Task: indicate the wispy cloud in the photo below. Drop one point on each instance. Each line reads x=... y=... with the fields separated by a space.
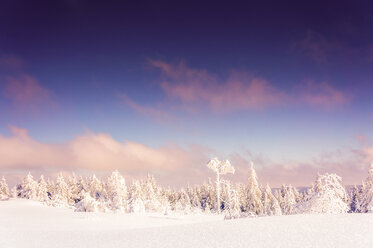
x=323 y=95
x=147 y=111
x=194 y=87
x=26 y=94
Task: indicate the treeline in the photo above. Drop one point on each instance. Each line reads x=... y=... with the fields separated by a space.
x=326 y=195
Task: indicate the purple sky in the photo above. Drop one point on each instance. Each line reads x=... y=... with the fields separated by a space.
x=161 y=87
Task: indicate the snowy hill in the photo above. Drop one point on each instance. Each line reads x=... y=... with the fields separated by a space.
x=25 y=223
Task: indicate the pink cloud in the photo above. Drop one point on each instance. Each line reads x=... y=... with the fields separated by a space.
x=198 y=88
x=26 y=93
x=323 y=95
x=151 y=112
x=100 y=152
x=173 y=165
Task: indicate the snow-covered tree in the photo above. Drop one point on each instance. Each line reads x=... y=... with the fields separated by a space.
x=42 y=190
x=366 y=200
x=220 y=168
x=117 y=192
x=254 y=194
x=230 y=200
x=270 y=203
x=62 y=194
x=96 y=188
x=355 y=197
x=4 y=190
x=287 y=199
x=135 y=202
x=89 y=204
x=328 y=196
x=28 y=188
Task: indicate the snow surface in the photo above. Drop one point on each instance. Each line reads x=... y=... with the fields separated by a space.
x=26 y=223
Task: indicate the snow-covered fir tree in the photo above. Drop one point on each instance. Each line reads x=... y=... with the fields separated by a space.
x=254 y=194
x=366 y=199
x=42 y=190
x=62 y=194
x=354 y=202
x=96 y=188
x=327 y=196
x=4 y=190
x=287 y=199
x=230 y=200
x=135 y=200
x=117 y=192
x=270 y=203
x=220 y=168
x=28 y=188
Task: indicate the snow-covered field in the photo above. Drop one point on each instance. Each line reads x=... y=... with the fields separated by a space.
x=25 y=223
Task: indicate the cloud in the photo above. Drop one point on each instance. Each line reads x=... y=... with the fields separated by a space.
x=99 y=152
x=323 y=95
x=240 y=91
x=350 y=164
x=171 y=164
x=151 y=112
x=195 y=88
x=26 y=94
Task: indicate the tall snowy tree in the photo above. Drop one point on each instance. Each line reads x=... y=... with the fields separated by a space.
x=117 y=192
x=96 y=188
x=42 y=190
x=270 y=203
x=28 y=188
x=288 y=199
x=254 y=194
x=327 y=196
x=135 y=200
x=62 y=194
x=220 y=168
x=231 y=201
x=4 y=190
x=366 y=201
x=355 y=197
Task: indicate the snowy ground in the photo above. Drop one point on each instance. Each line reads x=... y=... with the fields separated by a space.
x=25 y=223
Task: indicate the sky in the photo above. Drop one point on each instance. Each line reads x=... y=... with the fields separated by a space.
x=162 y=87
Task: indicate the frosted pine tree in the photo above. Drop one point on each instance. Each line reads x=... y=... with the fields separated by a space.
x=151 y=195
x=183 y=202
x=288 y=199
x=96 y=188
x=135 y=201
x=270 y=203
x=366 y=202
x=88 y=204
x=230 y=200
x=220 y=168
x=4 y=190
x=117 y=192
x=42 y=190
x=62 y=194
x=355 y=197
x=28 y=188
x=254 y=194
x=77 y=188
x=327 y=196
